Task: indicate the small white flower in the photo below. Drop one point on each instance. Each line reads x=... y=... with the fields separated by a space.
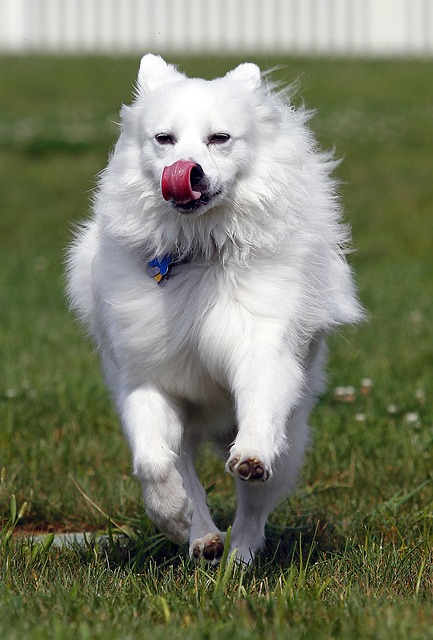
x=366 y=384
x=344 y=394
x=360 y=417
x=415 y=317
x=392 y=409
x=411 y=417
x=420 y=395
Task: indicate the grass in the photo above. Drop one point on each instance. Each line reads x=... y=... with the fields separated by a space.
x=350 y=554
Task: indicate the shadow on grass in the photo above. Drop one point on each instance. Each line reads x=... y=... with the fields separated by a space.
x=306 y=542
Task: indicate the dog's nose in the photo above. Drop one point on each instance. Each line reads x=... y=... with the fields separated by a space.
x=180 y=181
x=196 y=177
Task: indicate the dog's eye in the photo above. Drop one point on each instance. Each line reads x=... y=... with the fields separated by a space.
x=218 y=138
x=165 y=138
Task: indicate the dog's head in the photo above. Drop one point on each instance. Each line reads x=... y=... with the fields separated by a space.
x=206 y=165
x=197 y=137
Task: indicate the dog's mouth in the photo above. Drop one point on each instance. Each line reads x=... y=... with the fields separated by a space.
x=185 y=184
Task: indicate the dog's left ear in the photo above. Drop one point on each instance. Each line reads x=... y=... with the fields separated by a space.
x=247 y=73
x=154 y=72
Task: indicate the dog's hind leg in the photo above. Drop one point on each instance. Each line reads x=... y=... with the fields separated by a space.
x=206 y=540
x=257 y=500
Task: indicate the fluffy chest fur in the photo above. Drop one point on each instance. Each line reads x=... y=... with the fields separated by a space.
x=191 y=333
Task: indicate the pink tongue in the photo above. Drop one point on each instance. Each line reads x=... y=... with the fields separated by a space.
x=176 y=182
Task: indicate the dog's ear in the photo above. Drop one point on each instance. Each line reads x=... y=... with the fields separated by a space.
x=154 y=72
x=247 y=73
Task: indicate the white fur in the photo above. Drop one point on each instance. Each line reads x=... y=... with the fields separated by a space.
x=231 y=348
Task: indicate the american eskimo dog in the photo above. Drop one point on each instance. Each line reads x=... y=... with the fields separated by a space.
x=210 y=273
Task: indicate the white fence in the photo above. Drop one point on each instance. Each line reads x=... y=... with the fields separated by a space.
x=345 y=27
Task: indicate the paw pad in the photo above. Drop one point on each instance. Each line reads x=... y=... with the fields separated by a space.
x=248 y=469
x=210 y=548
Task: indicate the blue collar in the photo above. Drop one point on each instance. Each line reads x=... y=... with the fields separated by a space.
x=159 y=270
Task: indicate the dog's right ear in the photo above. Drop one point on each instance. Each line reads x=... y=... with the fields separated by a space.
x=154 y=72
x=248 y=73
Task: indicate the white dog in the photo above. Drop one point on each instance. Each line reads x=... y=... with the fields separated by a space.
x=211 y=271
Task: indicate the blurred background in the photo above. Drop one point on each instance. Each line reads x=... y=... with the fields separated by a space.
x=362 y=27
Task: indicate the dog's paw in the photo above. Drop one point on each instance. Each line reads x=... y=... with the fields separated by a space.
x=210 y=548
x=247 y=467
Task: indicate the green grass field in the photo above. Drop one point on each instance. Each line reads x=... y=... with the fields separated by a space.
x=350 y=554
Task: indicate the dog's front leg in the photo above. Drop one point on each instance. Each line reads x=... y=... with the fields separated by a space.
x=153 y=426
x=267 y=384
